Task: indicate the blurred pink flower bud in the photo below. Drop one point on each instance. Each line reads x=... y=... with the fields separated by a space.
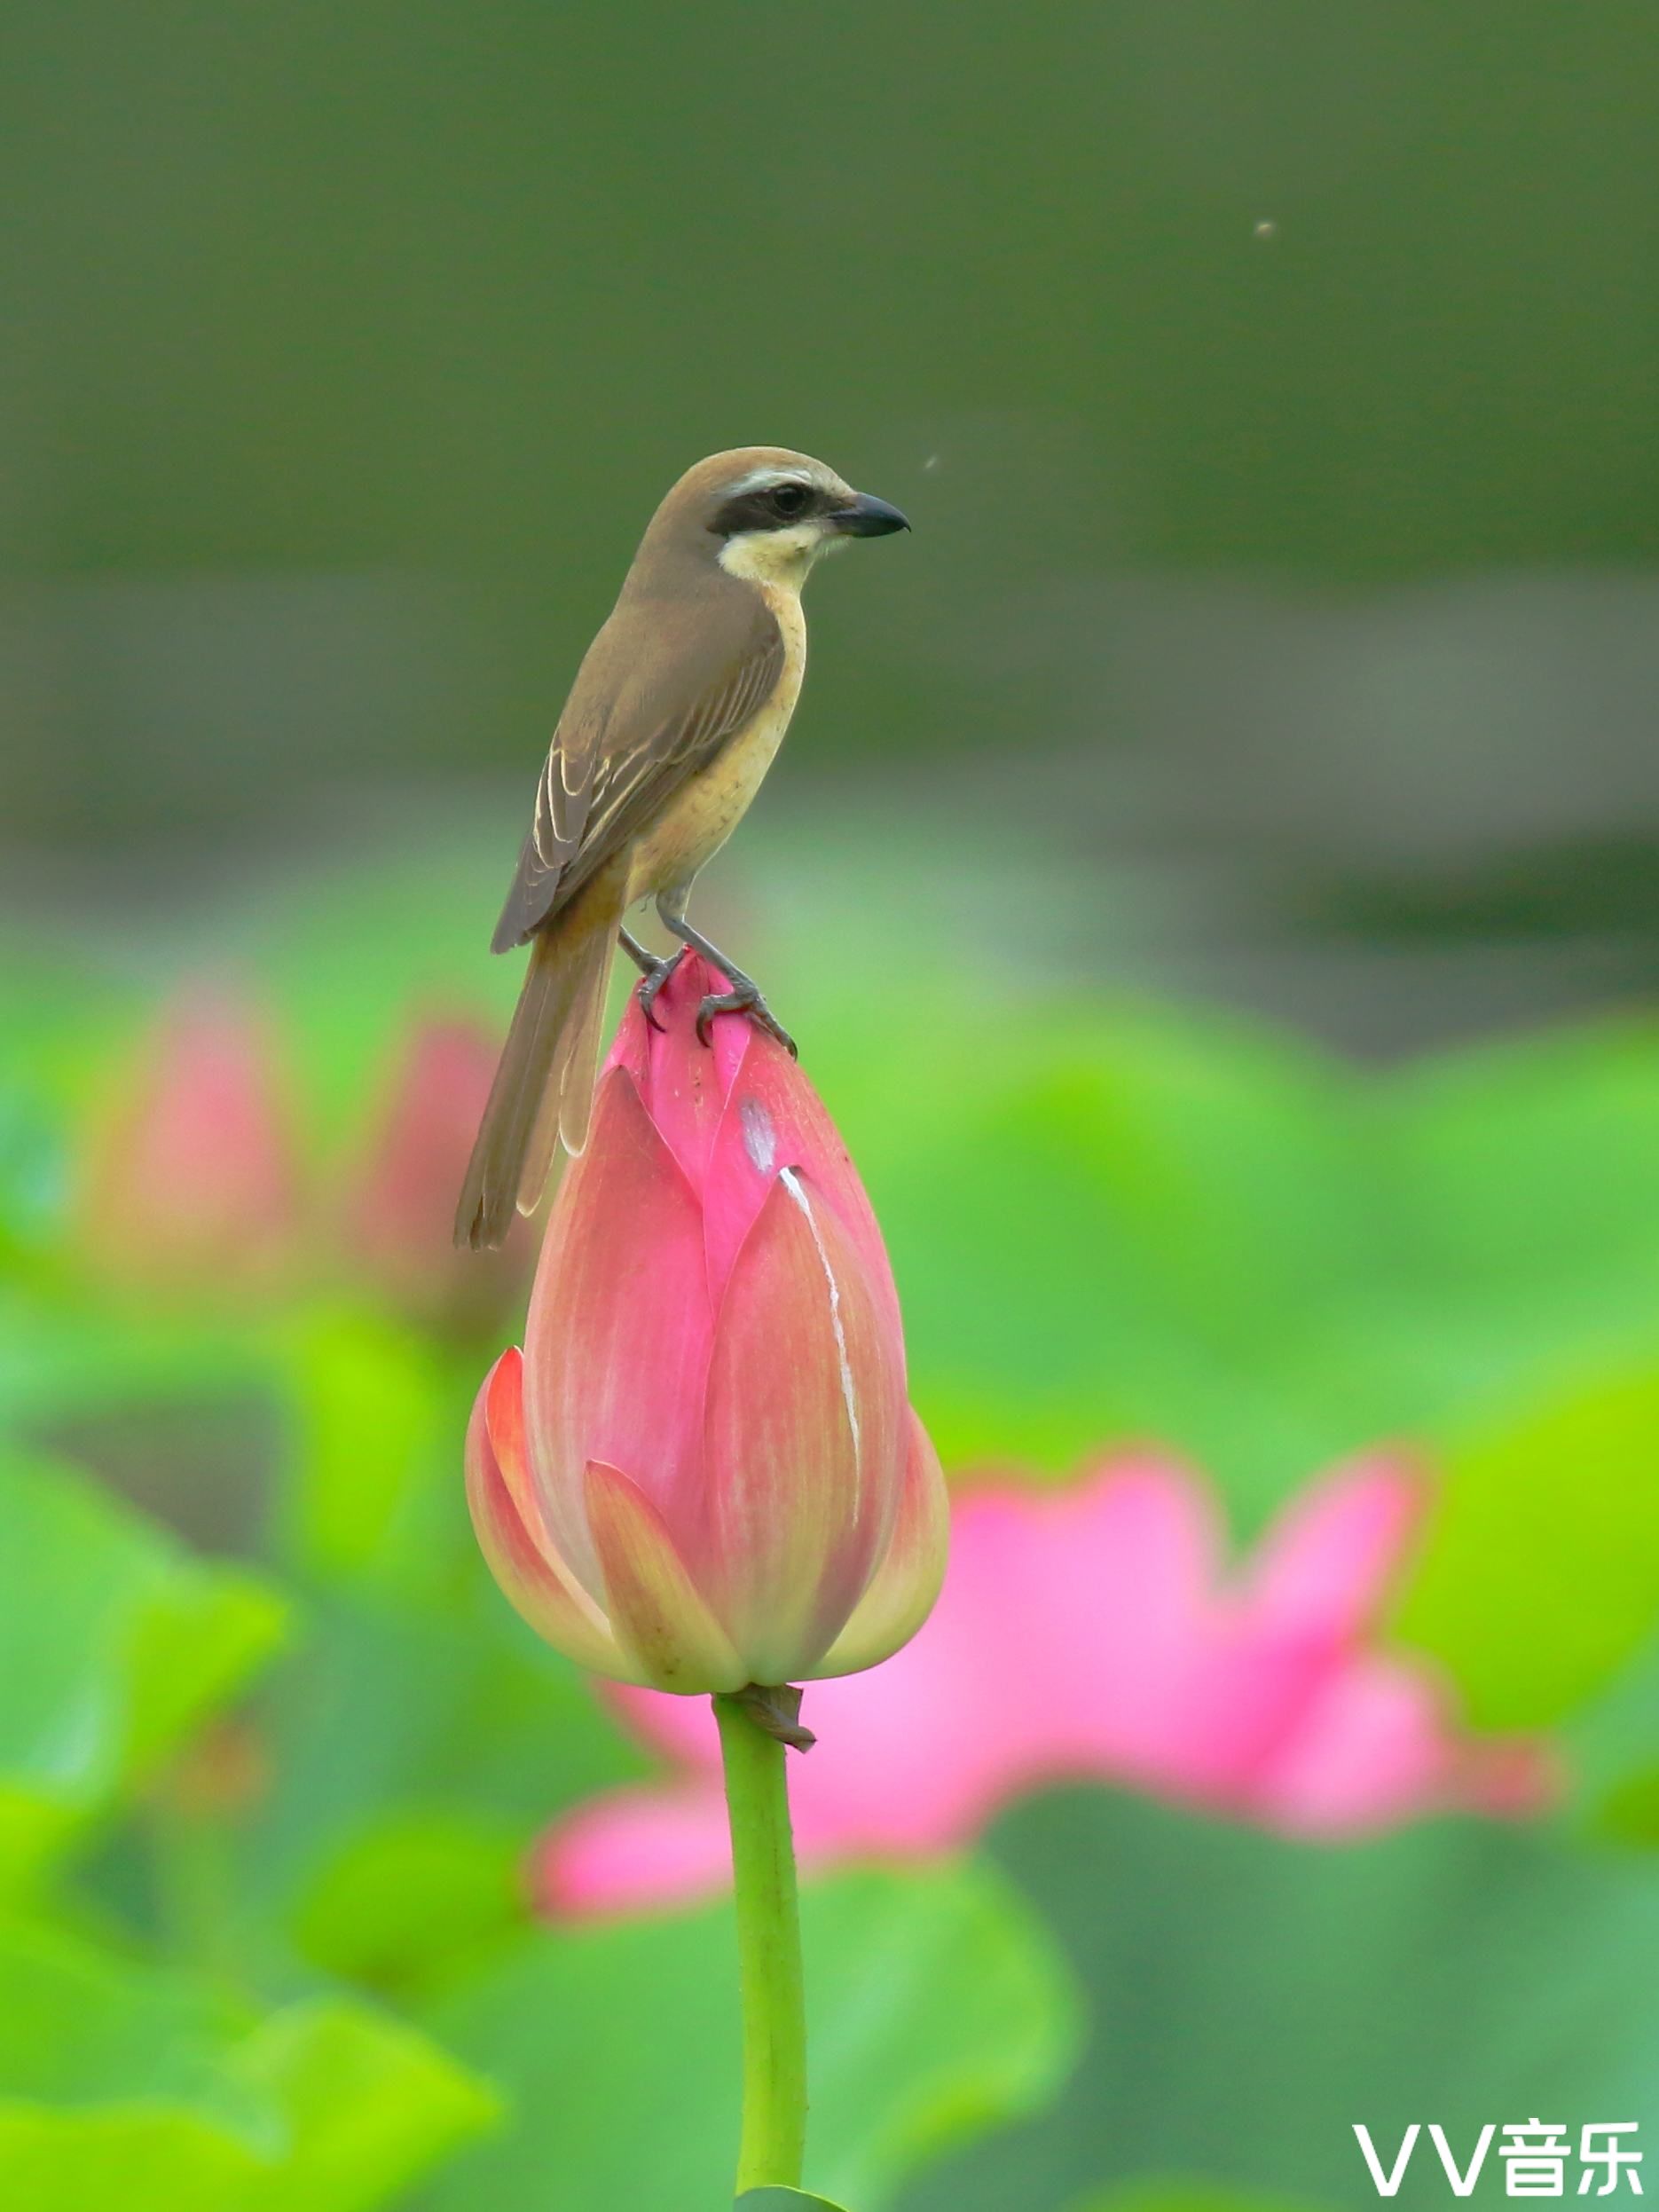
x=1095 y=1632
x=401 y=1213
x=192 y=1183
x=705 y=1470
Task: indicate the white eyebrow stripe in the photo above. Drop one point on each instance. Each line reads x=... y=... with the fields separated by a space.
x=763 y=480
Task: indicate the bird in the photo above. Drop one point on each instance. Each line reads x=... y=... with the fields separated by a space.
x=678 y=709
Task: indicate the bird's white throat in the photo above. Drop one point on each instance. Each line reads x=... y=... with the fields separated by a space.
x=781 y=558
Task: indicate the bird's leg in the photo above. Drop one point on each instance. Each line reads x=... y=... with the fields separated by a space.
x=653 y=972
x=744 y=994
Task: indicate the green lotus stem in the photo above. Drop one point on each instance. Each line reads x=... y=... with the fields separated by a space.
x=768 y=1953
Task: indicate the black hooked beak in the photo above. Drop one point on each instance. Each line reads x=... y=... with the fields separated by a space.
x=870 y=518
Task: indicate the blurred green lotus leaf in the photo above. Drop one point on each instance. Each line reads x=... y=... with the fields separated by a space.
x=1252 y=1997
x=1629 y=1813
x=376 y=1445
x=1531 y=1165
x=1540 y=1573
x=1115 y=1223
x=1099 y=1232
x=1177 y=2195
x=115 y=1643
x=781 y=2199
x=418 y=1740
x=62 y=1358
x=33 y=1173
x=120 y=2085
x=1109 y=1221
x=412 y=1893
x=1610 y=1749
x=939 y=2009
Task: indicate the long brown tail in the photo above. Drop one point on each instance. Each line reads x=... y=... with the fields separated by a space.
x=543 y=1090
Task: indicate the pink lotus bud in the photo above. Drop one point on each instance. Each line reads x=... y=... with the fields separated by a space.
x=705 y=1470
x=192 y=1183
x=401 y=1215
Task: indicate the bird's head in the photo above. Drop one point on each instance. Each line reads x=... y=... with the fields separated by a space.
x=767 y=514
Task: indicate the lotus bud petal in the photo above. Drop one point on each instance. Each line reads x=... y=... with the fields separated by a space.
x=713 y=1457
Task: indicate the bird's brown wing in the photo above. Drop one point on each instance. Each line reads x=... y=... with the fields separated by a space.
x=623 y=745
x=562 y=798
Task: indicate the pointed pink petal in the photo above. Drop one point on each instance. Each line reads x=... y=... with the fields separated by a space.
x=631 y=1047
x=618 y=1342
x=657 y=1613
x=905 y=1584
x=1240 y=1700
x=682 y=1083
x=1381 y=1745
x=645 y=1849
x=685 y=1084
x=773 y=1119
x=1282 y=1636
x=503 y=1402
x=805 y=1439
x=1374 y=1748
x=1327 y=1564
x=508 y=1521
x=1117 y=1604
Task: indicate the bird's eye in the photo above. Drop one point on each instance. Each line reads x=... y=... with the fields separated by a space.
x=789 y=499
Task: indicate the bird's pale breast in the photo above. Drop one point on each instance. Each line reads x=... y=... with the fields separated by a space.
x=703 y=814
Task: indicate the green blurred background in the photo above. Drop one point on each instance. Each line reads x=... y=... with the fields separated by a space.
x=1211 y=874
x=1271 y=386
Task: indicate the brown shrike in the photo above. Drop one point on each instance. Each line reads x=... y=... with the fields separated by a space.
x=677 y=710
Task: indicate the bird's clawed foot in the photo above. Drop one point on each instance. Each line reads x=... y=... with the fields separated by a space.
x=652 y=982
x=743 y=998
x=653 y=972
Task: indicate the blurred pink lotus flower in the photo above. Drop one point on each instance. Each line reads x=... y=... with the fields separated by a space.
x=1090 y=1633
x=404 y=1201
x=193 y=1182
x=704 y=1471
